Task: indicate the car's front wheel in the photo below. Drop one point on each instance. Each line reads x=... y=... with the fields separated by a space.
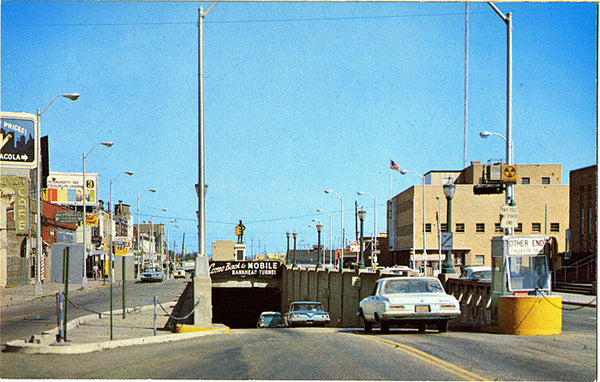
x=442 y=326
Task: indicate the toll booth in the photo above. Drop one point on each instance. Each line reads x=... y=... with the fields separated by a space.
x=521 y=301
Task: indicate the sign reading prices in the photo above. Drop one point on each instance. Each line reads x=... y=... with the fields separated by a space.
x=18 y=140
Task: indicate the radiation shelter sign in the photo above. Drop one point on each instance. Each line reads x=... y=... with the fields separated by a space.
x=18 y=140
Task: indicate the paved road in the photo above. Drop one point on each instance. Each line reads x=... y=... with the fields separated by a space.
x=309 y=353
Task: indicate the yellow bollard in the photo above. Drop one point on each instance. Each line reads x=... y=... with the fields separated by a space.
x=530 y=315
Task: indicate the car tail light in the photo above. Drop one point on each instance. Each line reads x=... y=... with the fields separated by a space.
x=447 y=306
x=397 y=307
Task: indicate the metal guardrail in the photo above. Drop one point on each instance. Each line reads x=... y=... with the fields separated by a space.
x=475 y=299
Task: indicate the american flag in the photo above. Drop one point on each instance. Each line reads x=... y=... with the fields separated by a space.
x=394 y=165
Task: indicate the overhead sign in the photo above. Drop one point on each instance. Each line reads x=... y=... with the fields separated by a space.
x=18 y=132
x=220 y=269
x=508 y=217
x=65 y=188
x=16 y=190
x=509 y=174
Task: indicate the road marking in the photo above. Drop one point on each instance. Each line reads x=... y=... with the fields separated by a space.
x=462 y=373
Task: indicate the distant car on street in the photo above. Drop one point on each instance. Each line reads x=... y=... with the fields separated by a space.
x=478 y=273
x=270 y=320
x=153 y=274
x=306 y=313
x=399 y=271
x=408 y=301
x=179 y=274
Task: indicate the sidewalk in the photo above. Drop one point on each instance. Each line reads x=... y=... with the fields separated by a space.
x=92 y=332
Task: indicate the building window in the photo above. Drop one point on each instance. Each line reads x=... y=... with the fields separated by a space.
x=480 y=227
x=536 y=227
x=497 y=228
x=460 y=227
x=444 y=227
x=525 y=180
x=479 y=260
x=519 y=227
x=427 y=227
x=545 y=180
x=460 y=259
x=554 y=227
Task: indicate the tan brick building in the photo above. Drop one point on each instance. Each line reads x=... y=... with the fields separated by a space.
x=542 y=201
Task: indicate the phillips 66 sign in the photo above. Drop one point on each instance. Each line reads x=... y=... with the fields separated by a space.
x=18 y=139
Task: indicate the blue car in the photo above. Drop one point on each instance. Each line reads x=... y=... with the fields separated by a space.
x=306 y=313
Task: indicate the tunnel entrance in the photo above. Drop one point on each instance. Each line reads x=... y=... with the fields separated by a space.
x=240 y=307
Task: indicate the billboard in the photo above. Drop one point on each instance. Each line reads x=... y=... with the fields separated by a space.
x=18 y=132
x=65 y=188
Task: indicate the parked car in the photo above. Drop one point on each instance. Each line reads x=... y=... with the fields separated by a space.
x=306 y=313
x=153 y=274
x=408 y=301
x=179 y=274
x=270 y=320
x=478 y=273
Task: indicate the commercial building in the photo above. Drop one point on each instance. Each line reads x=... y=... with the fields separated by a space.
x=541 y=198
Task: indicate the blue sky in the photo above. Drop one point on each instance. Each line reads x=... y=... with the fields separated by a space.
x=299 y=97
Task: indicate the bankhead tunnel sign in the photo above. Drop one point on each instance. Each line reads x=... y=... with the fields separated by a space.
x=18 y=132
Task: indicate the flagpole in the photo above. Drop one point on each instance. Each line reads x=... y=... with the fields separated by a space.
x=390 y=178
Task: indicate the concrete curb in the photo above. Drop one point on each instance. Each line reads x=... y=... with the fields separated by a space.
x=46 y=344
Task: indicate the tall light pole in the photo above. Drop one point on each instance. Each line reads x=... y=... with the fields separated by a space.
x=38 y=196
x=509 y=142
x=84 y=214
x=330 y=236
x=374 y=241
x=342 y=226
x=319 y=229
x=295 y=236
x=404 y=172
x=141 y=260
x=111 y=249
x=200 y=188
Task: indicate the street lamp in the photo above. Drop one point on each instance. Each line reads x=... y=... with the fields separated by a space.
x=361 y=216
x=83 y=197
x=287 y=252
x=485 y=134
x=374 y=241
x=38 y=218
x=330 y=236
x=319 y=229
x=509 y=141
x=141 y=260
x=294 y=235
x=404 y=172
x=449 y=189
x=342 y=226
x=111 y=249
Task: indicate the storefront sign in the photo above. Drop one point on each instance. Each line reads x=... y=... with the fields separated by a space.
x=18 y=140
x=244 y=268
x=16 y=190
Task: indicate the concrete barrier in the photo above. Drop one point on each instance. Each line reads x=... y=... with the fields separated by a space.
x=530 y=315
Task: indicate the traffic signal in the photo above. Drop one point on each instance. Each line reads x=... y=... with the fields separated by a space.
x=486 y=189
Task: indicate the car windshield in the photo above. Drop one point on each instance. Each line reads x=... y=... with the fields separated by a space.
x=411 y=286
x=272 y=319
x=482 y=275
x=308 y=307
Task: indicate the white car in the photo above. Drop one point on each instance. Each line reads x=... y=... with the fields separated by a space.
x=408 y=301
x=179 y=274
x=306 y=313
x=153 y=274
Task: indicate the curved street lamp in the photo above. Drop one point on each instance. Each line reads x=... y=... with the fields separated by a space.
x=83 y=198
x=39 y=201
x=449 y=189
